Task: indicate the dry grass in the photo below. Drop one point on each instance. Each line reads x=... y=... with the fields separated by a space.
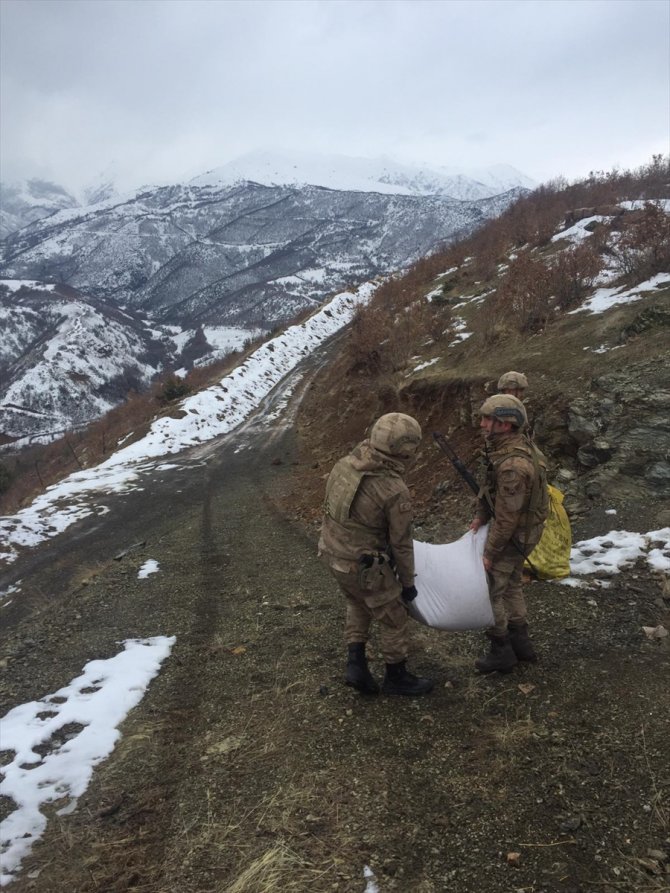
x=279 y=869
x=235 y=841
x=659 y=809
x=511 y=735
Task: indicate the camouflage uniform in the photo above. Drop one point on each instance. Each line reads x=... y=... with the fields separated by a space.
x=510 y=481
x=368 y=512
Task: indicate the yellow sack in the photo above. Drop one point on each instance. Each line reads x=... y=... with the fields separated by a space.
x=550 y=559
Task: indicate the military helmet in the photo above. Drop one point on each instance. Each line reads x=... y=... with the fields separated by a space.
x=396 y=434
x=505 y=408
x=516 y=380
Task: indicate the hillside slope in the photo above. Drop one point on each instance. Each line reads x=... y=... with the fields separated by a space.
x=583 y=311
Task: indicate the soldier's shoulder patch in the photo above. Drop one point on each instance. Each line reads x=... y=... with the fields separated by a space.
x=405 y=505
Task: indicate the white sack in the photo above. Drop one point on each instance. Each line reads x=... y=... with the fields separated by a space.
x=451 y=582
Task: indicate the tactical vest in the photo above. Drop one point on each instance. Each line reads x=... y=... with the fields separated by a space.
x=538 y=503
x=341 y=489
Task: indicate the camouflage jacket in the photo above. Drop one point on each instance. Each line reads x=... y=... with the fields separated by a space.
x=516 y=490
x=368 y=509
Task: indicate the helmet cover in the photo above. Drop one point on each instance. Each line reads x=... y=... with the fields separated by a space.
x=505 y=408
x=516 y=380
x=396 y=434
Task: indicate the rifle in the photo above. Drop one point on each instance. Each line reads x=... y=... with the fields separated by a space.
x=460 y=466
x=471 y=481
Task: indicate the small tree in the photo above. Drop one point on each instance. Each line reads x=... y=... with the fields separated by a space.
x=173 y=388
x=5 y=478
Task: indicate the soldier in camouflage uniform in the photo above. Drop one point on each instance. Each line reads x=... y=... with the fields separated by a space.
x=514 y=502
x=366 y=542
x=514 y=383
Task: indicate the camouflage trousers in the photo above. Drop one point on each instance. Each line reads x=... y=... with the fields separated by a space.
x=505 y=591
x=383 y=605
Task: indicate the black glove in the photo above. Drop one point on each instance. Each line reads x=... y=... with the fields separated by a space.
x=409 y=593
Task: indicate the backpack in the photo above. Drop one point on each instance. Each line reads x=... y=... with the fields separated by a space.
x=550 y=559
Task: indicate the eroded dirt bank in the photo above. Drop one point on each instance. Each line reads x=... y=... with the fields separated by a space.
x=249 y=766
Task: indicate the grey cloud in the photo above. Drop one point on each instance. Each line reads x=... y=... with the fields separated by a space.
x=170 y=88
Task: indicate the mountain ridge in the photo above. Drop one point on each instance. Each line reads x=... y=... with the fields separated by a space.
x=25 y=201
x=382 y=174
x=247 y=257
x=240 y=256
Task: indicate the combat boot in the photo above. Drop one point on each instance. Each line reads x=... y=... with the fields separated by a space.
x=399 y=681
x=358 y=673
x=501 y=657
x=521 y=642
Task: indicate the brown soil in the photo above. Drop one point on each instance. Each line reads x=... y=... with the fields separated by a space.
x=250 y=767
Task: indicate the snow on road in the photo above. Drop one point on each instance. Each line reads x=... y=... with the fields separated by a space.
x=214 y=411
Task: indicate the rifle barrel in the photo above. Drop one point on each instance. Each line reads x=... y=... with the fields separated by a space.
x=458 y=464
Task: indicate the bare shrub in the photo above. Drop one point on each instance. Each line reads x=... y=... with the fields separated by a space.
x=572 y=274
x=489 y=251
x=388 y=398
x=433 y=320
x=492 y=328
x=364 y=338
x=383 y=336
x=643 y=248
x=522 y=301
x=5 y=478
x=454 y=255
x=401 y=341
x=600 y=240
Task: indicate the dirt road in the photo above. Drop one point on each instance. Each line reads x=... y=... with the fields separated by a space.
x=249 y=766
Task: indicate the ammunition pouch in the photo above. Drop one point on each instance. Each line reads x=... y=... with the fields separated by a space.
x=375 y=571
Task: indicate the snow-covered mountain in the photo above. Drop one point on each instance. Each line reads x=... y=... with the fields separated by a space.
x=498 y=178
x=24 y=202
x=365 y=175
x=219 y=259
x=242 y=254
x=103 y=187
x=65 y=359
x=29 y=200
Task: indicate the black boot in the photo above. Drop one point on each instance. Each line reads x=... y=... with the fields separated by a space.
x=399 y=681
x=501 y=657
x=521 y=643
x=358 y=674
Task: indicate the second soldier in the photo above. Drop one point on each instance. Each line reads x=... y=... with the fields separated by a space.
x=366 y=542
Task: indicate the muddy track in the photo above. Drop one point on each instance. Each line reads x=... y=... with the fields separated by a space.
x=249 y=766
x=218 y=555
x=229 y=588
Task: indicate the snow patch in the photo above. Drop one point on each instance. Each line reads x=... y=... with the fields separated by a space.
x=78 y=727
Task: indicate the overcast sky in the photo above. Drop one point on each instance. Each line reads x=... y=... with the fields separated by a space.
x=167 y=89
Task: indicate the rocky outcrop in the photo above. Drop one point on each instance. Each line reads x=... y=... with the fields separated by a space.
x=616 y=440
x=578 y=214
